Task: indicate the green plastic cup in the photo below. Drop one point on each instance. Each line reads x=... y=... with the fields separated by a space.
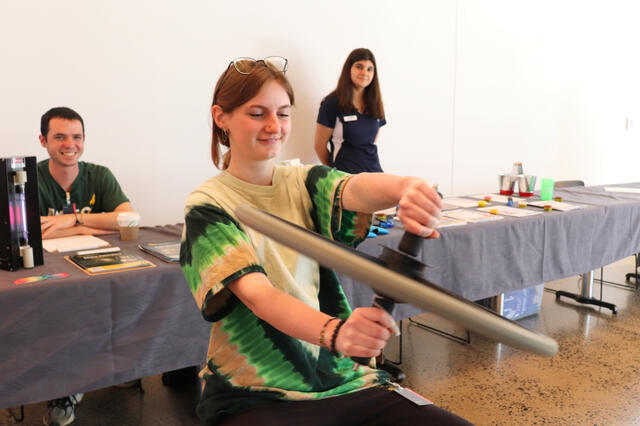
x=546 y=189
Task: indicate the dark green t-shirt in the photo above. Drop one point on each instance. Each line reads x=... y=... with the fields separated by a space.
x=95 y=190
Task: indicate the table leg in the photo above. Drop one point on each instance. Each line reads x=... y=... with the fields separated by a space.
x=635 y=275
x=13 y=415
x=464 y=340
x=586 y=295
x=497 y=304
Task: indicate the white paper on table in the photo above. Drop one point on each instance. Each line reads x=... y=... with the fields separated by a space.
x=497 y=198
x=471 y=216
x=454 y=202
x=511 y=211
x=556 y=205
x=73 y=243
x=622 y=189
x=449 y=221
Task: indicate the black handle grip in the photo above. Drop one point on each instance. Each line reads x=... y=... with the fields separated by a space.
x=382 y=303
x=360 y=360
x=410 y=243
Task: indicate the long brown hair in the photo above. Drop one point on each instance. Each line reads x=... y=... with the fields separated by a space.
x=235 y=89
x=372 y=98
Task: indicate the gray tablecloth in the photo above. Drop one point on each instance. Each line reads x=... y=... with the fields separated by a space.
x=81 y=333
x=487 y=259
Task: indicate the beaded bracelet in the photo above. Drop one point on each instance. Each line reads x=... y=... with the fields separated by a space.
x=321 y=341
x=335 y=336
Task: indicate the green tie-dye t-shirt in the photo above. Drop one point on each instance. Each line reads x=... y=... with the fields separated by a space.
x=249 y=361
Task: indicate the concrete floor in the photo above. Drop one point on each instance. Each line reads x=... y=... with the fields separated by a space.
x=593 y=380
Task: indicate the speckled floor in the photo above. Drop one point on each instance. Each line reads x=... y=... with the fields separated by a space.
x=593 y=380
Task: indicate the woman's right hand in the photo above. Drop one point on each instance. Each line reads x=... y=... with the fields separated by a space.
x=364 y=334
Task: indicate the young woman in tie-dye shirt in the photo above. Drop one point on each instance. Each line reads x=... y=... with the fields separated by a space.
x=280 y=320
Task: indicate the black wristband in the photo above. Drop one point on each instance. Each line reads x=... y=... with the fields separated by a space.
x=321 y=341
x=335 y=336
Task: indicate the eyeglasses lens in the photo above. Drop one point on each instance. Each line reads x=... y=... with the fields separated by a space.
x=246 y=65
x=277 y=62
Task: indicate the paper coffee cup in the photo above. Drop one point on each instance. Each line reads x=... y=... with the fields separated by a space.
x=129 y=224
x=128 y=219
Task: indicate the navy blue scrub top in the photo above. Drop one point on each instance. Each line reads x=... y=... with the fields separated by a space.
x=357 y=133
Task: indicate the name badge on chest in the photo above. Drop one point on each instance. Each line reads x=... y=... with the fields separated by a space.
x=348 y=118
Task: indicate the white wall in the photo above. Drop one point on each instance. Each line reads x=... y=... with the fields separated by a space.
x=548 y=83
x=469 y=86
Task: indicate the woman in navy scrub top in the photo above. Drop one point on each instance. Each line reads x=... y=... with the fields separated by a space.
x=350 y=116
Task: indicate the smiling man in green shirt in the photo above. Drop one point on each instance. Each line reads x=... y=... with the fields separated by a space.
x=75 y=197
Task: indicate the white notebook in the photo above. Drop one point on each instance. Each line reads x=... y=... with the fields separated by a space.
x=73 y=243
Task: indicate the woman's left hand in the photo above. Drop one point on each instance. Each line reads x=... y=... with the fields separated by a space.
x=364 y=333
x=419 y=208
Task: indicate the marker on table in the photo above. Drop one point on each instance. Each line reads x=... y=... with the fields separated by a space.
x=37 y=278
